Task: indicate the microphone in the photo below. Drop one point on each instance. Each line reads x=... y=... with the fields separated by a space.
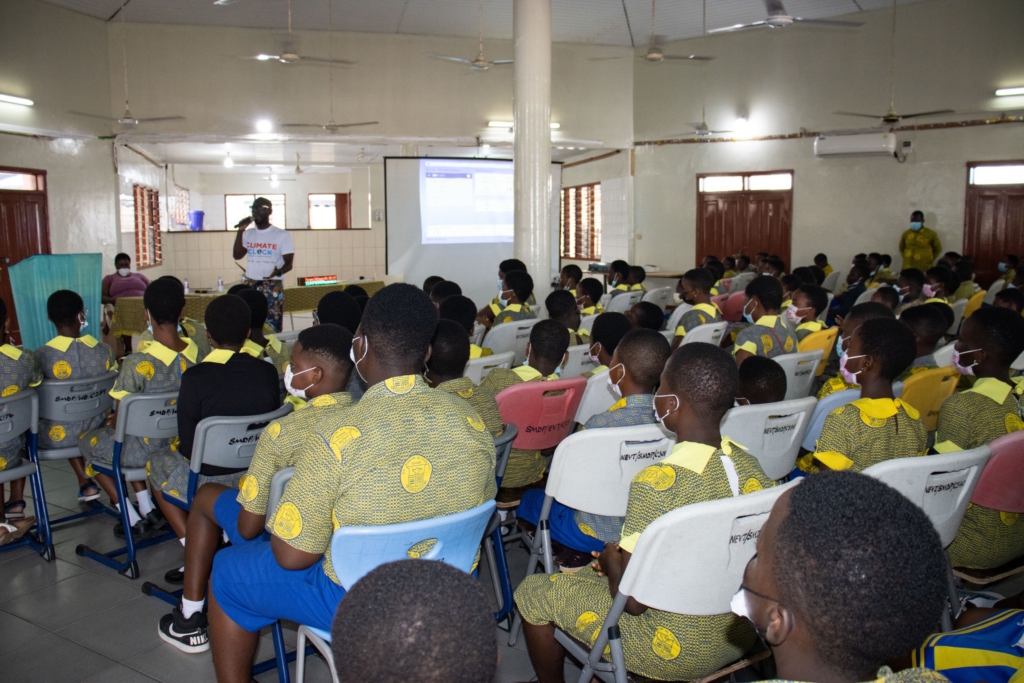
x=244 y=222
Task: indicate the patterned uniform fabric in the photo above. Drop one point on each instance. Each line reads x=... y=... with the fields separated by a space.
x=479 y=351
x=700 y=314
x=68 y=358
x=279 y=353
x=808 y=328
x=919 y=248
x=885 y=675
x=480 y=398
x=833 y=385
x=964 y=291
x=274 y=291
x=192 y=329
x=512 y=313
x=904 y=304
x=18 y=371
x=866 y=432
x=770 y=336
x=990 y=650
x=279 y=446
x=920 y=364
x=403 y=453
x=156 y=370
x=524 y=467
x=656 y=644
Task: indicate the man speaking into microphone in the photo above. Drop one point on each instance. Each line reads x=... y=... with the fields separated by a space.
x=270 y=254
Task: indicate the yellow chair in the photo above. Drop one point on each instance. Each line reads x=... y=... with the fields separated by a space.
x=927 y=390
x=973 y=304
x=822 y=339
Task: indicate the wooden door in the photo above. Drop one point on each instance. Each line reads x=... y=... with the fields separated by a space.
x=730 y=222
x=24 y=232
x=993 y=227
x=343 y=211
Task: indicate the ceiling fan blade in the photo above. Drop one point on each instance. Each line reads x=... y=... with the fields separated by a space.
x=737 y=27
x=224 y=2
x=161 y=118
x=688 y=58
x=460 y=60
x=854 y=113
x=774 y=7
x=321 y=60
x=602 y=59
x=264 y=57
x=928 y=113
x=301 y=125
x=829 y=22
x=93 y=116
x=501 y=62
x=361 y=123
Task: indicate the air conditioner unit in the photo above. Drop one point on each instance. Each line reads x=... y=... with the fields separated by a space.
x=870 y=144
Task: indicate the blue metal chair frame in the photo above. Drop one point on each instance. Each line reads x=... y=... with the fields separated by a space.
x=19 y=414
x=494 y=542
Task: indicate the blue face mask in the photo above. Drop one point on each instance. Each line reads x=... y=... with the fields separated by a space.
x=747 y=316
x=916 y=225
x=503 y=300
x=501 y=286
x=839 y=345
x=1002 y=267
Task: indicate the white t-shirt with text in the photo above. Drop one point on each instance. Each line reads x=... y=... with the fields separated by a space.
x=266 y=250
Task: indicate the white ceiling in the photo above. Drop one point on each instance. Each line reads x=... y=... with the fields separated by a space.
x=625 y=23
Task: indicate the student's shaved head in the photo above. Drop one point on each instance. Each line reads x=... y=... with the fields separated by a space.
x=449 y=349
x=705 y=376
x=399 y=322
x=926 y=321
x=549 y=340
x=329 y=343
x=644 y=353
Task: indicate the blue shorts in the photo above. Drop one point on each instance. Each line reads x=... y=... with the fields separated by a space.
x=561 y=521
x=225 y=511
x=253 y=589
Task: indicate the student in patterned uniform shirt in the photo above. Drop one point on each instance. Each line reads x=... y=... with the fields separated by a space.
x=18 y=371
x=561 y=306
x=696 y=390
x=849 y=575
x=72 y=355
x=516 y=289
x=940 y=284
x=929 y=326
x=187 y=327
x=319 y=371
x=588 y=296
x=762 y=380
x=646 y=315
x=266 y=347
x=507 y=266
x=858 y=315
x=964 y=270
x=368 y=465
x=729 y=263
x=608 y=331
x=910 y=287
x=340 y=308
x=769 y=334
x=802 y=313
x=449 y=353
x=989 y=341
x=636 y=368
x=790 y=283
x=694 y=288
x=569 y=277
x=877 y=426
x=463 y=311
x=156 y=369
x=545 y=353
x=1008 y=269
x=636 y=278
x=821 y=260
x=618 y=275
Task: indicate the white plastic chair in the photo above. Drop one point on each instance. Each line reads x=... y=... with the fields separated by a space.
x=944 y=356
x=704 y=547
x=740 y=282
x=800 y=371
x=623 y=302
x=587 y=323
x=958 y=313
x=598 y=397
x=864 y=297
x=478 y=368
x=578 y=361
x=990 y=295
x=677 y=315
x=831 y=280
x=771 y=432
x=710 y=333
x=670 y=335
x=478 y=334
x=513 y=336
x=824 y=312
x=660 y=297
x=1018 y=364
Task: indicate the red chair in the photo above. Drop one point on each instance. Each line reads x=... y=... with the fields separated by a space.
x=719 y=301
x=543 y=411
x=732 y=311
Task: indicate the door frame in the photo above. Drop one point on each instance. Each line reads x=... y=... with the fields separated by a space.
x=44 y=233
x=964 y=246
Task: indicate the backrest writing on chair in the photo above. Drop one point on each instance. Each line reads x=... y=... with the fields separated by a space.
x=19 y=413
x=710 y=333
x=999 y=487
x=771 y=432
x=149 y=416
x=65 y=400
x=543 y=411
x=801 y=369
x=230 y=442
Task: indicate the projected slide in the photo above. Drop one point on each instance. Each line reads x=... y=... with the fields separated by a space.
x=465 y=200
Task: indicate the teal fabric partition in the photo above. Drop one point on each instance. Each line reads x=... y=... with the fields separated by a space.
x=34 y=279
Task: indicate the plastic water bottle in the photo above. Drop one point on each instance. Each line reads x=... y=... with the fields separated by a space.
x=186 y=285
x=220 y=284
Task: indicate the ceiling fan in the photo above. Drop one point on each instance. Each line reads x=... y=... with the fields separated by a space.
x=274 y=179
x=892 y=117
x=655 y=54
x=701 y=129
x=779 y=18
x=478 y=63
x=289 y=50
x=127 y=120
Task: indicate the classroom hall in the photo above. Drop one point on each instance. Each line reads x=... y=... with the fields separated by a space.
x=790 y=185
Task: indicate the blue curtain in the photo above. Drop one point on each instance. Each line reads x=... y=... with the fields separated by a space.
x=34 y=279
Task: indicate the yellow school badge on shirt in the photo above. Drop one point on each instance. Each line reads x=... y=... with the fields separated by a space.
x=658 y=477
x=766 y=342
x=1013 y=423
x=325 y=400
x=1008 y=518
x=476 y=423
x=400 y=385
x=62 y=369
x=466 y=394
x=57 y=433
x=249 y=488
x=665 y=644
x=342 y=438
x=416 y=474
x=274 y=430
x=10 y=390
x=586 y=622
x=288 y=521
x=751 y=486
x=789 y=344
x=146 y=369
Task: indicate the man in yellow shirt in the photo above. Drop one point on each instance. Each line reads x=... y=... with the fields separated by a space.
x=919 y=246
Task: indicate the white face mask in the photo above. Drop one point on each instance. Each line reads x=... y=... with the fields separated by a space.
x=503 y=300
x=501 y=287
x=615 y=385
x=739 y=605
x=928 y=290
x=661 y=418
x=288 y=375
x=124 y=272
x=352 y=355
x=83 y=321
x=593 y=355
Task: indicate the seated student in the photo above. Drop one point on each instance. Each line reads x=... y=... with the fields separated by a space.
x=618 y=275
x=729 y=263
x=858 y=314
x=940 y=285
x=928 y=323
x=463 y=311
x=516 y=291
x=339 y=308
x=507 y=266
x=432 y=620
x=646 y=315
x=743 y=264
x=235 y=289
x=857 y=259
x=774 y=266
x=697 y=388
x=818 y=275
x=694 y=288
x=608 y=331
x=806 y=275
x=887 y=296
x=809 y=300
x=355 y=291
x=768 y=334
x=878 y=426
x=18 y=371
x=810 y=612
x=842 y=303
x=949 y=259
x=1010 y=298
x=990 y=340
x=258 y=345
x=449 y=353
x=70 y=355
x=717 y=271
x=964 y=270
x=569 y=277
x=444 y=289
x=588 y=296
x=157 y=368
x=877 y=273
x=367 y=465
x=636 y=278
x=429 y=283
x=226 y=383
x=821 y=261
x=636 y=368
x=318 y=373
x=187 y=327
x=762 y=380
x=910 y=287
x=790 y=283
x=561 y=306
x=545 y=354
x=707 y=257
x=1008 y=268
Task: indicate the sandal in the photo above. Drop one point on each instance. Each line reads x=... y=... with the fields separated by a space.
x=10 y=532
x=89 y=492
x=15 y=514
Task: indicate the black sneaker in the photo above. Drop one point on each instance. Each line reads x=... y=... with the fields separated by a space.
x=155 y=519
x=175 y=576
x=141 y=530
x=190 y=635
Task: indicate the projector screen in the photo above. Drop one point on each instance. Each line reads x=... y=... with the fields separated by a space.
x=453 y=218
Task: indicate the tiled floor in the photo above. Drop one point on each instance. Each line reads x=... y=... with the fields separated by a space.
x=74 y=620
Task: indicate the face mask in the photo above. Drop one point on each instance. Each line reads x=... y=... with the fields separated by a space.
x=963 y=369
x=849 y=377
x=903 y=291
x=615 y=385
x=747 y=316
x=352 y=356
x=501 y=287
x=1002 y=267
x=288 y=375
x=503 y=300
x=83 y=321
x=661 y=418
x=740 y=606
x=124 y=272
x=874 y=271
x=793 y=313
x=839 y=346
x=916 y=225
x=593 y=355
x=928 y=291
